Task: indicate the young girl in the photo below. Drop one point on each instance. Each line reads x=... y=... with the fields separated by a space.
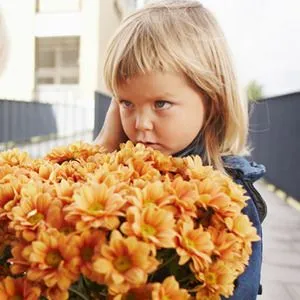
x=174 y=89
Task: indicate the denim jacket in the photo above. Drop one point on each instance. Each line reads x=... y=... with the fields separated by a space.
x=244 y=172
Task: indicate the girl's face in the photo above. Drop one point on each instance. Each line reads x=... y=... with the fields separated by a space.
x=161 y=110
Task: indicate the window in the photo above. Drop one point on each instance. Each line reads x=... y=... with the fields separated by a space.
x=57 y=6
x=57 y=60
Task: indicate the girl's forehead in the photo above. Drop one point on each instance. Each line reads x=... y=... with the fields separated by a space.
x=154 y=85
x=156 y=81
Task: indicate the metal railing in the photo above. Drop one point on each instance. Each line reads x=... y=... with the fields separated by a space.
x=37 y=127
x=275 y=137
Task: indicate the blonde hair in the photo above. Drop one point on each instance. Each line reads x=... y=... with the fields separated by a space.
x=183 y=36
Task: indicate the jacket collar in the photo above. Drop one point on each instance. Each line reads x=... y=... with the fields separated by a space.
x=194 y=148
x=251 y=170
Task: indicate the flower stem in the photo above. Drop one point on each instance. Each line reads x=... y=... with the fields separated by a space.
x=78 y=294
x=166 y=262
x=162 y=266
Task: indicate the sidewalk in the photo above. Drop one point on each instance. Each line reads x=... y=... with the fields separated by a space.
x=281 y=258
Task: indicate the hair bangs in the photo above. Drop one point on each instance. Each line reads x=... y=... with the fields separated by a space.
x=143 y=52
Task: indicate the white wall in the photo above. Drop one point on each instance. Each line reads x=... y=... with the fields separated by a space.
x=89 y=47
x=109 y=21
x=95 y=24
x=17 y=78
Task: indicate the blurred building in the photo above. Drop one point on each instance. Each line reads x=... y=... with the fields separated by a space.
x=56 y=47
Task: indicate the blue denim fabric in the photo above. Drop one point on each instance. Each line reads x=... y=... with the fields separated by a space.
x=250 y=169
x=247 y=284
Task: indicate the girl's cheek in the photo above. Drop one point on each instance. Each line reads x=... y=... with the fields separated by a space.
x=127 y=123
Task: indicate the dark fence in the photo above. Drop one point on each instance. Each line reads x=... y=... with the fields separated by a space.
x=102 y=102
x=37 y=127
x=20 y=121
x=275 y=137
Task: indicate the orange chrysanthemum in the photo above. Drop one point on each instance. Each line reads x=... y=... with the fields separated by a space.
x=143 y=292
x=89 y=246
x=153 y=225
x=150 y=193
x=74 y=151
x=143 y=170
x=194 y=168
x=206 y=294
x=18 y=288
x=54 y=259
x=95 y=206
x=164 y=163
x=236 y=192
x=185 y=196
x=10 y=186
x=72 y=170
x=20 y=257
x=195 y=244
x=210 y=195
x=242 y=226
x=34 y=212
x=14 y=157
x=227 y=245
x=169 y=290
x=5 y=170
x=63 y=216
x=7 y=193
x=112 y=175
x=56 y=293
x=65 y=190
x=33 y=188
x=125 y=262
x=217 y=279
x=129 y=150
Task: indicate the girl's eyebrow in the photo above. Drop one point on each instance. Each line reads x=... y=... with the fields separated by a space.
x=150 y=98
x=161 y=96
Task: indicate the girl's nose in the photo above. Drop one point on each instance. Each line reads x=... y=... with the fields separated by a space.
x=143 y=123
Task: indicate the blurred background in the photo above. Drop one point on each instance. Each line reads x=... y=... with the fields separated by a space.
x=52 y=93
x=52 y=61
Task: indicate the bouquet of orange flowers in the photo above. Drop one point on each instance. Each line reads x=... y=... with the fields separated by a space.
x=133 y=224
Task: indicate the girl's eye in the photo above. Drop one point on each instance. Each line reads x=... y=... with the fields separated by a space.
x=162 y=104
x=126 y=104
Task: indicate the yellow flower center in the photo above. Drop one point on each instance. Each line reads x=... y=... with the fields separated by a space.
x=148 y=201
x=66 y=230
x=35 y=218
x=189 y=243
x=16 y=297
x=165 y=298
x=96 y=207
x=148 y=230
x=87 y=253
x=122 y=263
x=53 y=259
x=211 y=278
